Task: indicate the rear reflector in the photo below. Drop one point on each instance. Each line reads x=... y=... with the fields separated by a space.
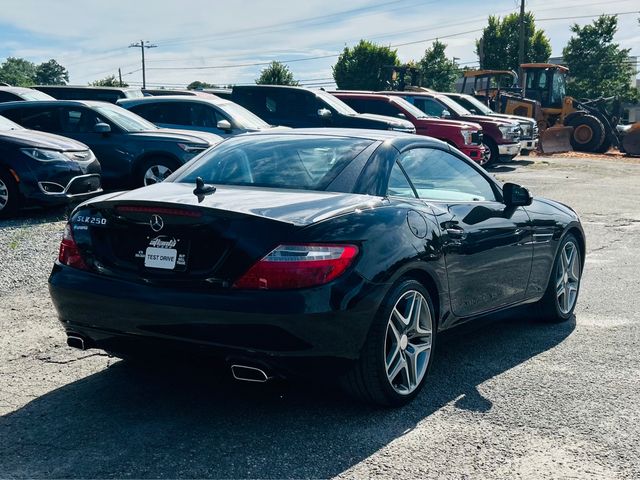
x=298 y=266
x=69 y=253
x=178 y=212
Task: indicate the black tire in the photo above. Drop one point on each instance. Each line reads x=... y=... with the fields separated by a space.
x=606 y=145
x=9 y=197
x=163 y=168
x=494 y=154
x=367 y=380
x=549 y=309
x=588 y=133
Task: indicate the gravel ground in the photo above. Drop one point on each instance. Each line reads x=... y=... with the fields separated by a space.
x=508 y=398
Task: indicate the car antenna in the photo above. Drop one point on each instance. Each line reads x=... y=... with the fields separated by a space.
x=201 y=189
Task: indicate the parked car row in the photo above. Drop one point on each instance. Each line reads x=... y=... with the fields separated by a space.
x=147 y=136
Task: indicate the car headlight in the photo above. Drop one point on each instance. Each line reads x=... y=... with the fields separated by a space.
x=467 y=136
x=193 y=147
x=44 y=155
x=510 y=132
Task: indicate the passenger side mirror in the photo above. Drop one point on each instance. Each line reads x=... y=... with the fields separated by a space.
x=324 y=113
x=224 y=125
x=445 y=114
x=515 y=195
x=102 y=128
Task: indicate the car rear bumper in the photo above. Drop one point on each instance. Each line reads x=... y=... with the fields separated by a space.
x=331 y=321
x=530 y=144
x=510 y=149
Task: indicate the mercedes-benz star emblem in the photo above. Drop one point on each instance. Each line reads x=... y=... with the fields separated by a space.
x=156 y=223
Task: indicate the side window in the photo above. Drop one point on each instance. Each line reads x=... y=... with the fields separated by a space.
x=399 y=186
x=439 y=175
x=44 y=119
x=8 y=97
x=432 y=107
x=148 y=111
x=204 y=115
x=381 y=108
x=78 y=120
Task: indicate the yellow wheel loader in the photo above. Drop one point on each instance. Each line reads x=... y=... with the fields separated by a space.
x=564 y=122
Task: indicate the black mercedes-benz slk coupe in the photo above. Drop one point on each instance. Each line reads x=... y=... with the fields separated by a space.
x=322 y=251
x=40 y=169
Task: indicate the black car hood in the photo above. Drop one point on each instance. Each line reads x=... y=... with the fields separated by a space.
x=31 y=138
x=297 y=207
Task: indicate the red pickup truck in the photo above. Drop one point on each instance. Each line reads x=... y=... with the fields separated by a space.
x=465 y=136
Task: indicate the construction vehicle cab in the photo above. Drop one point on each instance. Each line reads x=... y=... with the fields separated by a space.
x=487 y=85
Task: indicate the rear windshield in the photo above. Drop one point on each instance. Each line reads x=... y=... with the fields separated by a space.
x=293 y=162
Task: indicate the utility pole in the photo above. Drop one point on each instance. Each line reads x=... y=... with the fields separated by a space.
x=521 y=42
x=120 y=75
x=142 y=45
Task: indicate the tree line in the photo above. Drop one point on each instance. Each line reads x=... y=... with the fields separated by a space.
x=598 y=66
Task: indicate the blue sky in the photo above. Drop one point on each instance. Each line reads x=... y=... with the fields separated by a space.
x=91 y=38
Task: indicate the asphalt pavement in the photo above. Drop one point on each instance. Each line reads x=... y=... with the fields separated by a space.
x=509 y=397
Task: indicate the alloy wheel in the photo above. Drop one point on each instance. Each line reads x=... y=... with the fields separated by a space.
x=568 y=277
x=408 y=342
x=486 y=156
x=156 y=174
x=4 y=195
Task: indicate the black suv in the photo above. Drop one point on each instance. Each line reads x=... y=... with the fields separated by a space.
x=18 y=94
x=304 y=108
x=42 y=169
x=101 y=94
x=132 y=151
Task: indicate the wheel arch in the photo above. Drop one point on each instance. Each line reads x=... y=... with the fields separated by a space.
x=579 y=234
x=428 y=280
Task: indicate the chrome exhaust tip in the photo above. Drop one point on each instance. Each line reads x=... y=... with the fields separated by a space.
x=246 y=373
x=76 y=342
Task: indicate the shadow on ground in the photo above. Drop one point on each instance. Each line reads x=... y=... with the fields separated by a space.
x=127 y=422
x=510 y=166
x=35 y=216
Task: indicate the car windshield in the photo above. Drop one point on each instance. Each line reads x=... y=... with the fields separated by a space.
x=412 y=109
x=335 y=103
x=293 y=162
x=243 y=117
x=6 y=124
x=453 y=106
x=35 y=95
x=128 y=121
x=473 y=104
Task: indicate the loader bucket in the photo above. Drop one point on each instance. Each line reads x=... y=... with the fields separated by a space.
x=556 y=139
x=631 y=140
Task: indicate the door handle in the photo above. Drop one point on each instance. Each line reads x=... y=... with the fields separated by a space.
x=454 y=230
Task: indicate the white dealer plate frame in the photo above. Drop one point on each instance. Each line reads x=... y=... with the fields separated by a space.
x=164 y=258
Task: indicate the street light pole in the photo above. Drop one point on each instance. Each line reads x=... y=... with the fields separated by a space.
x=142 y=45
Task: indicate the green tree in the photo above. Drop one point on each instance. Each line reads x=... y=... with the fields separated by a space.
x=276 y=74
x=110 y=81
x=598 y=67
x=198 y=85
x=51 y=73
x=17 y=72
x=498 y=47
x=438 y=71
x=363 y=67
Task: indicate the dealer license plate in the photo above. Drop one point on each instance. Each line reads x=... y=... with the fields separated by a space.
x=161 y=258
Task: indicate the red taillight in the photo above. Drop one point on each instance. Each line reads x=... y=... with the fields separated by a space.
x=298 y=266
x=69 y=252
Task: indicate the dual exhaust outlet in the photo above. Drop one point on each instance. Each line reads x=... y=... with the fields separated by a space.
x=243 y=373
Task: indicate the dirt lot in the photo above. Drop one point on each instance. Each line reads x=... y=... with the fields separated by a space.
x=510 y=399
